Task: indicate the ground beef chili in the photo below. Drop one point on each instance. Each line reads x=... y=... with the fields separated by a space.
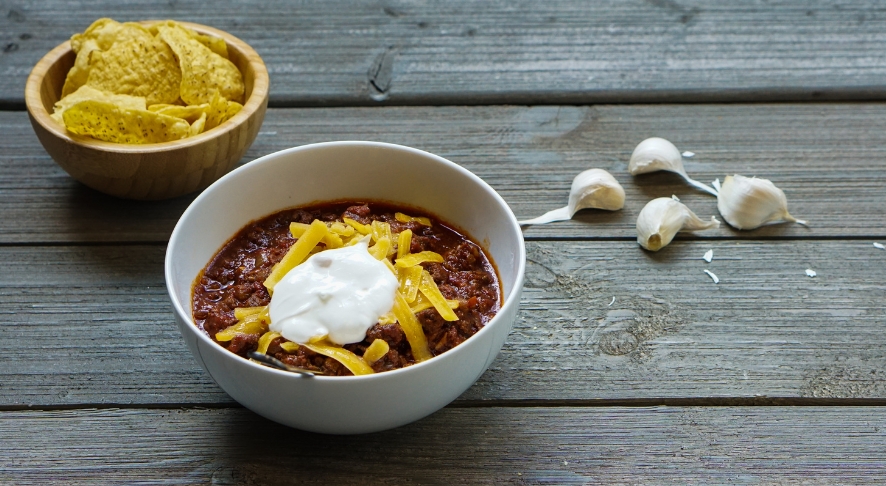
x=234 y=277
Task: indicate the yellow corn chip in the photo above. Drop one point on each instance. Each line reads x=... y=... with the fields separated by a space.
x=220 y=110
x=89 y=93
x=233 y=109
x=108 y=122
x=202 y=70
x=198 y=126
x=79 y=72
x=137 y=67
x=215 y=113
x=215 y=44
x=107 y=32
x=100 y=36
x=136 y=84
x=159 y=106
x=190 y=113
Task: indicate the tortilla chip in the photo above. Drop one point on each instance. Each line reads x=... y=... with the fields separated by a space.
x=198 y=126
x=89 y=93
x=202 y=70
x=106 y=121
x=137 y=67
x=79 y=72
x=107 y=32
x=233 y=109
x=215 y=44
x=100 y=36
x=189 y=113
x=215 y=113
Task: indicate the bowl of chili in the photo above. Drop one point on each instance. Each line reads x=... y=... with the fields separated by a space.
x=372 y=185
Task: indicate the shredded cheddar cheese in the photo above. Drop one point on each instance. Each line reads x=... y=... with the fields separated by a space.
x=265 y=341
x=330 y=239
x=380 y=249
x=415 y=335
x=413 y=259
x=430 y=290
x=363 y=229
x=417 y=290
x=289 y=346
x=375 y=351
x=341 y=229
x=253 y=324
x=350 y=360
x=421 y=303
x=408 y=219
x=410 y=277
x=241 y=313
x=297 y=253
x=404 y=242
x=380 y=230
x=391 y=267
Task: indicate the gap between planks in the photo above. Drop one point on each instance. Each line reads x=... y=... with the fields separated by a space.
x=557 y=403
x=578 y=239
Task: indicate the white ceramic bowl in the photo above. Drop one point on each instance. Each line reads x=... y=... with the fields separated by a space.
x=353 y=171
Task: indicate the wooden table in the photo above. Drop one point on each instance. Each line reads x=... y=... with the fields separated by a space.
x=769 y=377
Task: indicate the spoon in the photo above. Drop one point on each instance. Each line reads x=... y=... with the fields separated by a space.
x=276 y=363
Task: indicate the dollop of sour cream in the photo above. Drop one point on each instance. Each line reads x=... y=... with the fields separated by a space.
x=337 y=293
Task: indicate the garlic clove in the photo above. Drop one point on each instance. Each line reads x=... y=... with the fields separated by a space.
x=593 y=188
x=662 y=218
x=655 y=154
x=748 y=202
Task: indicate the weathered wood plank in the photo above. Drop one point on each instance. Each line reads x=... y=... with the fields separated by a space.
x=461 y=52
x=663 y=445
x=824 y=156
x=92 y=325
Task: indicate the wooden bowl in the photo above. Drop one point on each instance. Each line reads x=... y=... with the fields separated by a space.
x=149 y=171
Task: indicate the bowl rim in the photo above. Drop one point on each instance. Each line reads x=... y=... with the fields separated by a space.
x=257 y=98
x=203 y=338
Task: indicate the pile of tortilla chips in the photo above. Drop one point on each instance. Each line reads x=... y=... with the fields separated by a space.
x=136 y=84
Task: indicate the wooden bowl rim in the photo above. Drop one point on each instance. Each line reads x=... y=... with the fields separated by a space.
x=258 y=97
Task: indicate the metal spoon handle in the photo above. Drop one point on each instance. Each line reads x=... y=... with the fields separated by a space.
x=276 y=363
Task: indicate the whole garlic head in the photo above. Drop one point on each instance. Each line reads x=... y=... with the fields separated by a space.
x=662 y=218
x=595 y=188
x=748 y=203
x=655 y=154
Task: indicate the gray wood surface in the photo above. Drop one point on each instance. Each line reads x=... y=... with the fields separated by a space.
x=463 y=52
x=96 y=385
x=826 y=157
x=92 y=325
x=520 y=446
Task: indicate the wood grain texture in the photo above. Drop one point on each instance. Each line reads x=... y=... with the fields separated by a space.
x=461 y=52
x=522 y=446
x=101 y=316
x=824 y=156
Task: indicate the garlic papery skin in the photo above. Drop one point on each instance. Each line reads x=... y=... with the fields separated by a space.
x=662 y=218
x=593 y=188
x=747 y=203
x=655 y=154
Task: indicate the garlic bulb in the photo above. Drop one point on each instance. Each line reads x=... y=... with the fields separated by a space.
x=655 y=154
x=748 y=203
x=593 y=188
x=662 y=218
